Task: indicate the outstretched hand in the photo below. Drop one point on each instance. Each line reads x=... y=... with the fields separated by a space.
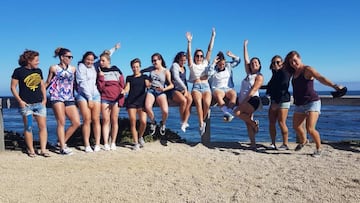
x=230 y=54
x=117 y=46
x=188 y=36
x=246 y=42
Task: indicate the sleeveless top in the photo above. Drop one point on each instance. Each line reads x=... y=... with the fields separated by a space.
x=158 y=79
x=61 y=85
x=246 y=86
x=303 y=90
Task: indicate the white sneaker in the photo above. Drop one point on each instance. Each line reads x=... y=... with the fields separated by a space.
x=141 y=142
x=136 y=147
x=317 y=153
x=228 y=117
x=162 y=129
x=96 y=148
x=184 y=126
x=88 y=149
x=113 y=146
x=152 y=128
x=202 y=129
x=272 y=147
x=66 y=151
x=107 y=147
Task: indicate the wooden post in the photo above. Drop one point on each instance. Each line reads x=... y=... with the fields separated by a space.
x=206 y=137
x=2 y=140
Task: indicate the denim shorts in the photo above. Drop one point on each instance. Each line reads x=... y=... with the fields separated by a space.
x=94 y=98
x=282 y=105
x=67 y=103
x=201 y=87
x=312 y=106
x=104 y=101
x=33 y=109
x=155 y=92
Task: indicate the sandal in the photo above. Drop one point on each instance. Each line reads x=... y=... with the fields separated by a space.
x=31 y=154
x=45 y=154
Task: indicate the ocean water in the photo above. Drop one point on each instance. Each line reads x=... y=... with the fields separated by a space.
x=336 y=123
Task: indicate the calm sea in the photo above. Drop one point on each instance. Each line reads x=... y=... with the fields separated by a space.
x=336 y=123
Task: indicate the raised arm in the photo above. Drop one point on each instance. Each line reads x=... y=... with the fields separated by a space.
x=111 y=51
x=235 y=59
x=211 y=67
x=189 y=57
x=211 y=45
x=246 y=58
x=114 y=48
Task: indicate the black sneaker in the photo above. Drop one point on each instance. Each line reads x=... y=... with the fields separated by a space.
x=299 y=147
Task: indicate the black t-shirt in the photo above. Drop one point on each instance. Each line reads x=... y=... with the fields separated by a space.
x=29 y=84
x=137 y=91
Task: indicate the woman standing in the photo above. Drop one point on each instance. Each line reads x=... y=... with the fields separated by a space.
x=249 y=100
x=160 y=83
x=60 y=82
x=180 y=93
x=278 y=89
x=136 y=85
x=31 y=98
x=200 y=92
x=306 y=100
x=88 y=97
x=110 y=83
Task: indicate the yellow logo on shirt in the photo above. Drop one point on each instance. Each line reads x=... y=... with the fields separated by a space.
x=32 y=81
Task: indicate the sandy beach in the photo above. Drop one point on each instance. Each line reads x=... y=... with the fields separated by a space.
x=180 y=172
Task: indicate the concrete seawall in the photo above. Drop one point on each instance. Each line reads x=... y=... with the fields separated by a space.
x=351 y=100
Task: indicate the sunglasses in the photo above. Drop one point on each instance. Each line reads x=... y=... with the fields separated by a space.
x=277 y=62
x=199 y=56
x=69 y=57
x=154 y=60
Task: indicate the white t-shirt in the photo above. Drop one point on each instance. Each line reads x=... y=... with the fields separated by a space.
x=198 y=70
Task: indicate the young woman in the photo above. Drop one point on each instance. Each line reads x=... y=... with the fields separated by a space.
x=278 y=89
x=180 y=93
x=31 y=98
x=160 y=83
x=88 y=97
x=200 y=92
x=110 y=83
x=249 y=100
x=136 y=85
x=222 y=84
x=306 y=100
x=60 y=82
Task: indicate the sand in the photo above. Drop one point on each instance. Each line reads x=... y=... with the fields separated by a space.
x=180 y=172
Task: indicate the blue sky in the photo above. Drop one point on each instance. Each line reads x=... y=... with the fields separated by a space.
x=326 y=34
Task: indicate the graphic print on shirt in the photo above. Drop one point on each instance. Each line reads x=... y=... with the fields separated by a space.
x=32 y=81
